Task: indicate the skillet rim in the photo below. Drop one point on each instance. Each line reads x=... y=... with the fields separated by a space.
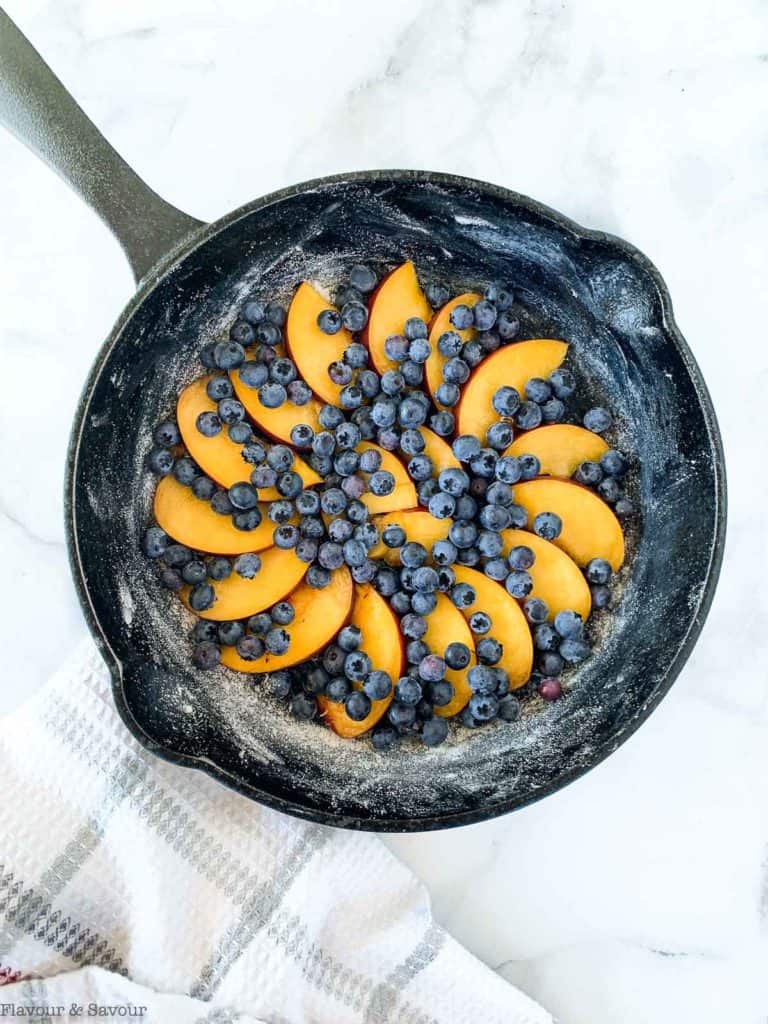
x=437 y=821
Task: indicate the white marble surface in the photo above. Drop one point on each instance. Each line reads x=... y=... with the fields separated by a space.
x=639 y=893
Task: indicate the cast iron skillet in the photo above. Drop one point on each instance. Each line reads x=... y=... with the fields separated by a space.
x=594 y=290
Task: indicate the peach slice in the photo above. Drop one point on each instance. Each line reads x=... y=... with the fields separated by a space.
x=445 y=625
x=419 y=526
x=590 y=529
x=319 y=615
x=397 y=298
x=509 y=625
x=310 y=348
x=439 y=451
x=557 y=580
x=193 y=522
x=560 y=448
x=217 y=456
x=383 y=643
x=441 y=322
x=404 y=494
x=277 y=423
x=237 y=598
x=513 y=366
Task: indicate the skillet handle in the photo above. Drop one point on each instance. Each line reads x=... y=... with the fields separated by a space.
x=39 y=111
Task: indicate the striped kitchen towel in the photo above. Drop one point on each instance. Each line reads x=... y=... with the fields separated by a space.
x=134 y=889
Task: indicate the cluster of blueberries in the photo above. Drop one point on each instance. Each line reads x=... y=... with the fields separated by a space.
x=479 y=497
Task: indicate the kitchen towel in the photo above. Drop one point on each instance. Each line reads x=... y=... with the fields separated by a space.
x=134 y=889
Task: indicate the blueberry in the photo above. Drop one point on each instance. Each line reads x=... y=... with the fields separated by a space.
x=330 y=417
x=275 y=313
x=440 y=693
x=177 y=555
x=263 y=476
x=243 y=496
x=357 y=512
x=340 y=373
x=462 y=533
x=528 y=416
x=303 y=706
x=401 y=715
x=408 y=691
x=228 y=355
x=201 y=597
x=205 y=630
x=185 y=471
x=550 y=663
x=568 y=624
x=413 y=554
x=171 y=579
x=206 y=655
x=254 y=452
x=208 y=424
x=520 y=557
x=529 y=466
x=507 y=325
x=330 y=555
x=545 y=638
x=333 y=501
x=279 y=684
x=166 y=434
x=411 y=413
x=610 y=490
x=362 y=277
x=624 y=507
x=400 y=602
x=496 y=569
x=588 y=473
x=240 y=432
x=272 y=395
x=462 y=317
x=415 y=651
x=552 y=411
x=574 y=650
x=480 y=623
x=547 y=525
x=259 y=624
x=253 y=312
x=437 y=294
x=230 y=410
x=230 y=633
x=481 y=679
x=218 y=568
x=277 y=641
x=483 y=462
x=614 y=463
x=386 y=582
x=447 y=395
x=247 y=520
x=282 y=613
x=354 y=316
x=299 y=393
x=483 y=707
x=519 y=583
x=597 y=420
x=536 y=610
x=499 y=436
x=347 y=435
x=601 y=596
x=431 y=668
x=357 y=665
x=441 y=506
x=509 y=708
x=286 y=537
x=333 y=659
x=489 y=341
x=247 y=565
x=472 y=353
x=463 y=595
x=444 y=552
x=350 y=397
x=221 y=504
x=337 y=689
x=489 y=651
x=469 y=556
x=282 y=371
x=269 y=334
x=381 y=483
x=484 y=315
x=203 y=487
x=420 y=349
x=219 y=387
x=154 y=542
x=598 y=570
x=489 y=543
x=354 y=553
x=443 y=423
x=384 y=738
x=424 y=603
x=434 y=732
x=378 y=685
x=538 y=390
x=306 y=550
x=388 y=439
x=455 y=371
x=207 y=356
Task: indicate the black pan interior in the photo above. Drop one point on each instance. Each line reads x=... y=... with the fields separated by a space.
x=597 y=293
